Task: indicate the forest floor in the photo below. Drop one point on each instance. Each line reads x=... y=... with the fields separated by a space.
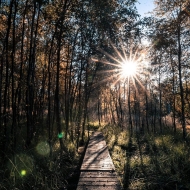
x=142 y=161
x=149 y=161
x=35 y=168
x=74 y=173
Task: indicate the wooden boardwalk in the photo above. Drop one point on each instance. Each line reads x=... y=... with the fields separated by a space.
x=97 y=170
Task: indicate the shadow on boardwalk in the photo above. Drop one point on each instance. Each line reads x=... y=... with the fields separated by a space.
x=97 y=170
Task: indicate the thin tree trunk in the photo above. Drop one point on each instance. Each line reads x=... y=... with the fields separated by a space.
x=120 y=108
x=99 y=110
x=14 y=125
x=67 y=97
x=174 y=111
x=19 y=92
x=79 y=106
x=181 y=83
x=160 y=99
x=30 y=83
x=50 y=129
x=129 y=108
x=7 y=76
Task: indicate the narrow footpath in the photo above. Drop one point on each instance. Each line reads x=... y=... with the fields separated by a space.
x=97 y=171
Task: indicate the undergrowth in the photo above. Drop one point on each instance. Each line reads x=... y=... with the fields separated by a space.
x=34 y=168
x=149 y=161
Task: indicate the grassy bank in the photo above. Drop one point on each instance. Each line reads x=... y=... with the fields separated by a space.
x=35 y=168
x=149 y=161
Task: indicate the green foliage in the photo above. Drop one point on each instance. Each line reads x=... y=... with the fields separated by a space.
x=35 y=168
x=93 y=126
x=149 y=161
x=32 y=172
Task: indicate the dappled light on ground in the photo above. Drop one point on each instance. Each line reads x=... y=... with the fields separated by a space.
x=149 y=161
x=56 y=146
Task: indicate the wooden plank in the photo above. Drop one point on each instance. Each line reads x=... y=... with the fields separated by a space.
x=98 y=183
x=98 y=187
x=97 y=170
x=97 y=179
x=98 y=174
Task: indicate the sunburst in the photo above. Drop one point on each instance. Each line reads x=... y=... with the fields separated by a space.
x=128 y=69
x=125 y=69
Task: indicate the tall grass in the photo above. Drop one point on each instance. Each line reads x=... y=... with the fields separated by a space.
x=149 y=161
x=35 y=168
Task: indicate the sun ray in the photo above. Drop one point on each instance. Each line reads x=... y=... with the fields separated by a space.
x=110 y=56
x=118 y=53
x=139 y=82
x=106 y=62
x=127 y=66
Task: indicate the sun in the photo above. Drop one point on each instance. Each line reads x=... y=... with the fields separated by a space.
x=128 y=69
x=127 y=65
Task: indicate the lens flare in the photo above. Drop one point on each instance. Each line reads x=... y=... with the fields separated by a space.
x=60 y=135
x=21 y=165
x=43 y=148
x=23 y=172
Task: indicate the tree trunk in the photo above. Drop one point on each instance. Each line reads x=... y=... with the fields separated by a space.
x=14 y=125
x=129 y=108
x=181 y=82
x=6 y=77
x=160 y=99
